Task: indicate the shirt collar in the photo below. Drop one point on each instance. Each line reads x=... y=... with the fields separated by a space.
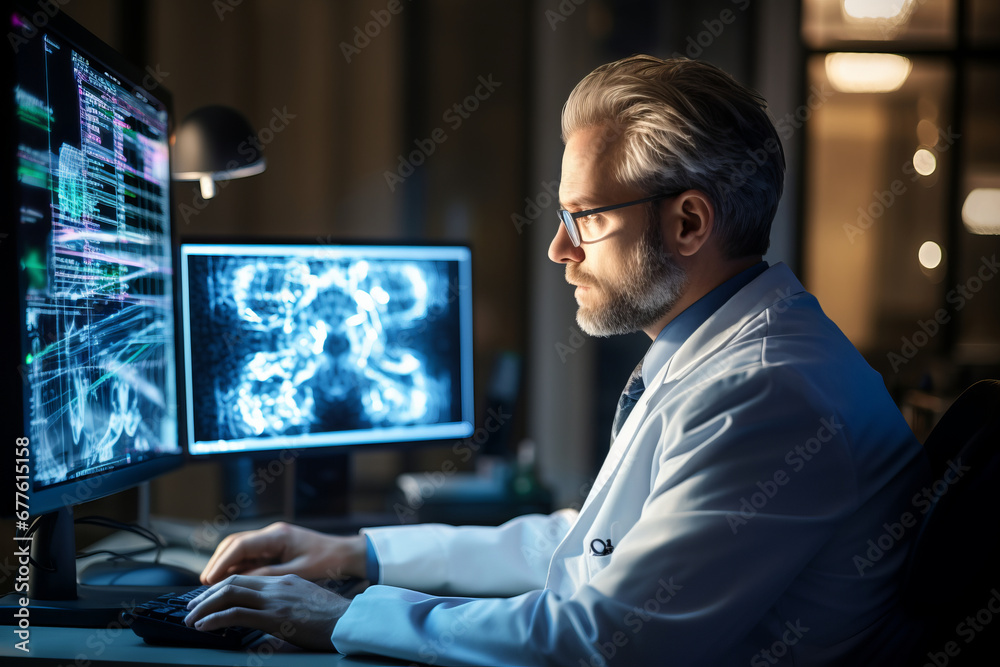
x=669 y=340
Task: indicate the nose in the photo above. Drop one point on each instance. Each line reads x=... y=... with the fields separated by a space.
x=562 y=250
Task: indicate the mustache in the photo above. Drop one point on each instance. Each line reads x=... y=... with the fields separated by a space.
x=577 y=276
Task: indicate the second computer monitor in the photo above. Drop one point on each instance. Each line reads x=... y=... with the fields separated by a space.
x=316 y=345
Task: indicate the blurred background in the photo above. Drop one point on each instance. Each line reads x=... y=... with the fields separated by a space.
x=887 y=110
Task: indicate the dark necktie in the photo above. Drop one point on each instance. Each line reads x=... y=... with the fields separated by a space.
x=630 y=396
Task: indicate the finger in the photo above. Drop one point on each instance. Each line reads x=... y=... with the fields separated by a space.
x=234 y=551
x=206 y=593
x=245 y=549
x=219 y=550
x=225 y=597
x=232 y=554
x=234 y=581
x=250 y=618
x=244 y=567
x=215 y=562
x=294 y=566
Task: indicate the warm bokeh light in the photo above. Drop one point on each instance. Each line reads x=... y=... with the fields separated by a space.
x=981 y=211
x=927 y=132
x=867 y=72
x=877 y=9
x=924 y=162
x=930 y=255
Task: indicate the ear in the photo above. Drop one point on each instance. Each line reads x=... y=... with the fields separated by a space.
x=688 y=220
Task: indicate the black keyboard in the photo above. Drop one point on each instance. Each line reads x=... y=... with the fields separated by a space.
x=161 y=621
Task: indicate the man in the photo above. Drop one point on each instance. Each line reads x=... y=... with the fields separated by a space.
x=755 y=459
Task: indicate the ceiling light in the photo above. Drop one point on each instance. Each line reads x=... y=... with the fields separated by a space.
x=876 y=9
x=867 y=72
x=930 y=255
x=981 y=211
x=924 y=162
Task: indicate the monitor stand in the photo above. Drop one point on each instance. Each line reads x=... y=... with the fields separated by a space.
x=269 y=486
x=55 y=598
x=321 y=487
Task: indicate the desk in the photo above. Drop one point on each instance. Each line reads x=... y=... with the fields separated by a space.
x=118 y=646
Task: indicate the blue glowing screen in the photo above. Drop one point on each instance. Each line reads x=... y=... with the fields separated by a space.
x=315 y=345
x=95 y=264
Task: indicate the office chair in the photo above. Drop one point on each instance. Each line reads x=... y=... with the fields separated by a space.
x=954 y=566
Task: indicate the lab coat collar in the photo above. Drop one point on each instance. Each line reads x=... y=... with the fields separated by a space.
x=774 y=285
x=767 y=290
x=679 y=329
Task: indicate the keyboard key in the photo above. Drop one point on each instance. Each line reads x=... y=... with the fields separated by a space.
x=161 y=622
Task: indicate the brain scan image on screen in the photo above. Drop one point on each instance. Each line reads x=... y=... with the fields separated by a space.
x=288 y=345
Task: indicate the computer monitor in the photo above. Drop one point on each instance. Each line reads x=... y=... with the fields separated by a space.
x=317 y=345
x=87 y=247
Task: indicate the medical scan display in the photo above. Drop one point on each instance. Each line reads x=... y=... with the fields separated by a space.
x=298 y=345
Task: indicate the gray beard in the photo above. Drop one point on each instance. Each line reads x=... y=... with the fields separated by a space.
x=650 y=288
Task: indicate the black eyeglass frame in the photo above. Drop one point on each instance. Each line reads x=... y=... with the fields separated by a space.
x=568 y=218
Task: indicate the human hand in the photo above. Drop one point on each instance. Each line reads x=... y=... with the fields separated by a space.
x=285 y=549
x=288 y=607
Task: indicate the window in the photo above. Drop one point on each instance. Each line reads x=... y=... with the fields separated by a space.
x=901 y=211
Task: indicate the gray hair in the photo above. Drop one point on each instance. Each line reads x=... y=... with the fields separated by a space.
x=684 y=124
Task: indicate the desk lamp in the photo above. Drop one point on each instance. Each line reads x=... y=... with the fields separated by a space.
x=215 y=143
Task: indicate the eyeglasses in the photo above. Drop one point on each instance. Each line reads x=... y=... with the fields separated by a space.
x=569 y=219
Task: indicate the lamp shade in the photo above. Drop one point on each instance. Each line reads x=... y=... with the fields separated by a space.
x=215 y=143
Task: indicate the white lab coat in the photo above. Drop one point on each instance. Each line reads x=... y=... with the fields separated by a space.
x=740 y=496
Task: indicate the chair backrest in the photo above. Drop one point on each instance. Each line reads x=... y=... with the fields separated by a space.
x=957 y=551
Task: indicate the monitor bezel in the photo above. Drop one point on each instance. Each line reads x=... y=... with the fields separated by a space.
x=321 y=450
x=13 y=338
